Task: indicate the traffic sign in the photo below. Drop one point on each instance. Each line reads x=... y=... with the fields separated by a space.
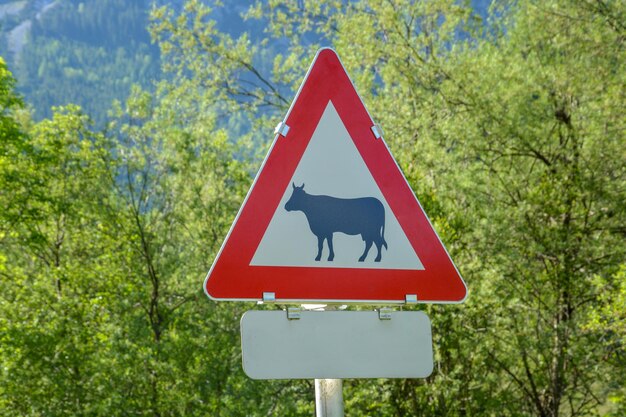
x=336 y=344
x=330 y=216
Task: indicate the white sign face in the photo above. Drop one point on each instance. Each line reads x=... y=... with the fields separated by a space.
x=332 y=166
x=336 y=344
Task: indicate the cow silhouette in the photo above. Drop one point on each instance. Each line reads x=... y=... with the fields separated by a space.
x=352 y=216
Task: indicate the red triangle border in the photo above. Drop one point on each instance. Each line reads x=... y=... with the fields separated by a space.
x=233 y=278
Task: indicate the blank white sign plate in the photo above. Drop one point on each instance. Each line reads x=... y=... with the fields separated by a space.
x=336 y=344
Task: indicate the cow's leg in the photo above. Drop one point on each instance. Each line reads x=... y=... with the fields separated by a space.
x=379 y=246
x=329 y=239
x=368 y=245
x=320 y=245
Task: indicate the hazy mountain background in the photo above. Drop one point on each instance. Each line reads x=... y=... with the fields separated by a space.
x=87 y=52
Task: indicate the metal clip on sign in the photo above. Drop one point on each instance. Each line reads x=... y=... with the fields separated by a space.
x=377 y=131
x=281 y=129
x=384 y=313
x=293 y=313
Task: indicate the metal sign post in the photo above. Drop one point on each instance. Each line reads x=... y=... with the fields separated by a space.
x=328 y=398
x=328 y=394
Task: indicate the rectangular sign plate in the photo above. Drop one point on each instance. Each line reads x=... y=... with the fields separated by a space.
x=336 y=344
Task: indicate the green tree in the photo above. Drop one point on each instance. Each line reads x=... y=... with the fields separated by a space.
x=608 y=320
x=13 y=144
x=178 y=187
x=53 y=320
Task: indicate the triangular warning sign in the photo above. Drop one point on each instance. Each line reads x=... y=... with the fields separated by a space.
x=330 y=216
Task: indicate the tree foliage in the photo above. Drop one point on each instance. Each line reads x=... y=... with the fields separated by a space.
x=509 y=128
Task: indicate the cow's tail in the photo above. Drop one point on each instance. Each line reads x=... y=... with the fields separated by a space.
x=382 y=235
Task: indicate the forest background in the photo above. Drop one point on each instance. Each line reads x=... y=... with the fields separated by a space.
x=507 y=120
